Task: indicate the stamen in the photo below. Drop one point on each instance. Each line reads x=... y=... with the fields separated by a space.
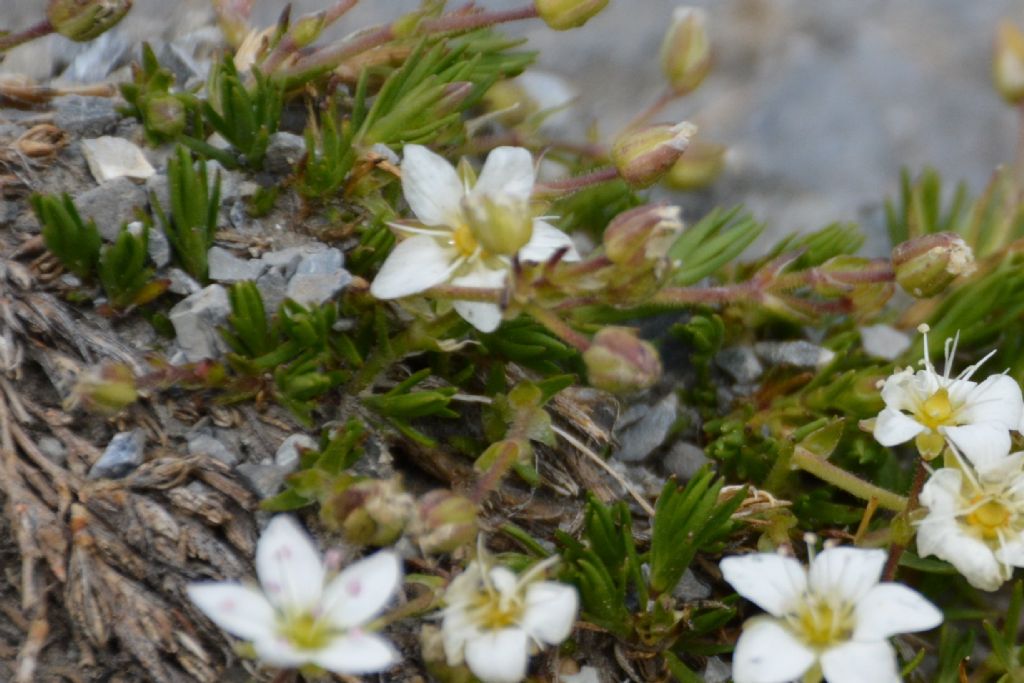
x=969 y=372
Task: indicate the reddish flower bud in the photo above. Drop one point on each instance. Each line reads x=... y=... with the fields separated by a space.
x=642 y=156
x=620 y=362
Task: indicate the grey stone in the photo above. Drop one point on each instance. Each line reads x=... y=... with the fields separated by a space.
x=196 y=319
x=181 y=282
x=799 y=354
x=717 y=671
x=264 y=480
x=207 y=444
x=230 y=181
x=288 y=260
x=87 y=117
x=641 y=438
x=884 y=341
x=226 y=267
x=111 y=204
x=159 y=247
x=53 y=449
x=691 y=588
x=98 y=58
x=157 y=190
x=123 y=454
x=685 y=459
x=283 y=152
x=71 y=280
x=273 y=288
x=287 y=456
x=318 y=272
x=741 y=362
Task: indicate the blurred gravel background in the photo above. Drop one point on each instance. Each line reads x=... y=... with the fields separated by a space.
x=821 y=102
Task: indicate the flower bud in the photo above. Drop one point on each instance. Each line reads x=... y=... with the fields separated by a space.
x=926 y=265
x=83 y=20
x=454 y=95
x=640 y=237
x=686 y=50
x=1008 y=63
x=233 y=18
x=700 y=166
x=307 y=29
x=642 y=156
x=563 y=15
x=444 y=522
x=499 y=225
x=105 y=390
x=370 y=512
x=620 y=362
x=164 y=115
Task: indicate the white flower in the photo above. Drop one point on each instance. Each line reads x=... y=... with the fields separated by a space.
x=495 y=620
x=458 y=221
x=929 y=407
x=976 y=520
x=833 y=619
x=299 y=618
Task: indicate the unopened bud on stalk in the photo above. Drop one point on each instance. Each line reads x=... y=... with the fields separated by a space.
x=500 y=227
x=926 y=265
x=642 y=156
x=105 y=390
x=620 y=362
x=444 y=522
x=83 y=20
x=640 y=237
x=371 y=512
x=164 y=115
x=454 y=95
x=686 y=50
x=563 y=15
x=233 y=18
x=700 y=166
x=1008 y=62
x=307 y=29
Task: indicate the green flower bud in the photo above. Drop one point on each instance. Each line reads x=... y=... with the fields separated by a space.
x=641 y=237
x=563 y=15
x=164 y=115
x=1008 y=63
x=620 y=362
x=642 y=156
x=501 y=225
x=926 y=265
x=105 y=390
x=444 y=522
x=686 y=50
x=307 y=29
x=700 y=166
x=83 y=20
x=370 y=512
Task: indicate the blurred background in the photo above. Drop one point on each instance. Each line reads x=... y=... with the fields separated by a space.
x=821 y=103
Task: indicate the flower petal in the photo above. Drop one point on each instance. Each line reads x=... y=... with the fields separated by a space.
x=891 y=608
x=288 y=565
x=499 y=656
x=768 y=653
x=431 y=187
x=414 y=265
x=941 y=493
x=238 y=609
x=359 y=593
x=997 y=399
x=356 y=653
x=772 y=582
x=482 y=315
x=847 y=573
x=507 y=172
x=550 y=611
x=984 y=444
x=547 y=240
x=972 y=557
x=856 y=662
x=893 y=427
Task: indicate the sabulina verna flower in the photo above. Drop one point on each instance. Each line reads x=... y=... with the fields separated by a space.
x=468 y=233
x=494 y=620
x=686 y=50
x=563 y=15
x=929 y=408
x=83 y=20
x=643 y=155
x=975 y=519
x=832 y=620
x=299 y=618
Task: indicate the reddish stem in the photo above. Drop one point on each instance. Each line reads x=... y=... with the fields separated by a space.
x=11 y=40
x=601 y=175
x=913 y=501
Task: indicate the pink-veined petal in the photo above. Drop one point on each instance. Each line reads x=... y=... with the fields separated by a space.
x=240 y=610
x=431 y=187
x=997 y=399
x=984 y=444
x=773 y=582
x=893 y=427
x=891 y=608
x=846 y=572
x=414 y=265
x=550 y=611
x=356 y=653
x=768 y=653
x=362 y=589
x=508 y=171
x=499 y=656
x=289 y=565
x=547 y=240
x=279 y=652
x=856 y=662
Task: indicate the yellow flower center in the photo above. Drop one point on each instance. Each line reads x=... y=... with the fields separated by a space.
x=493 y=611
x=937 y=410
x=821 y=623
x=464 y=240
x=990 y=518
x=305 y=631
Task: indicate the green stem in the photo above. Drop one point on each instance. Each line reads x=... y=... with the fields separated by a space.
x=851 y=483
x=417 y=337
x=559 y=327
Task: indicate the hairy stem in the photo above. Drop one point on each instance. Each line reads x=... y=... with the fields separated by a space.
x=11 y=40
x=601 y=175
x=559 y=327
x=897 y=548
x=851 y=483
x=288 y=46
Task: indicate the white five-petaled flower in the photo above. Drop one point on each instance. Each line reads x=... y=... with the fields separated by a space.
x=494 y=620
x=299 y=618
x=461 y=226
x=832 y=620
x=930 y=408
x=975 y=519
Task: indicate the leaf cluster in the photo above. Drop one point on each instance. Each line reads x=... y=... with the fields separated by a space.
x=192 y=222
x=164 y=114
